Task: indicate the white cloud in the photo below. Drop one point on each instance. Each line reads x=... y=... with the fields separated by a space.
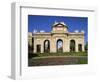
x=76 y=31
x=42 y=31
x=34 y=31
x=82 y=31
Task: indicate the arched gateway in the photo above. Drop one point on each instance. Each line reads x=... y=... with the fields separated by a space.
x=46 y=46
x=59 y=45
x=58 y=40
x=72 y=45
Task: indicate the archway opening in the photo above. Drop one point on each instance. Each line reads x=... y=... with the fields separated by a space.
x=59 y=45
x=46 y=46
x=72 y=45
x=80 y=47
x=38 y=48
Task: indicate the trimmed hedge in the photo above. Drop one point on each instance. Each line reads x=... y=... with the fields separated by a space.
x=30 y=55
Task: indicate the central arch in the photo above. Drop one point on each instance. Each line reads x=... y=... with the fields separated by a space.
x=72 y=45
x=59 y=45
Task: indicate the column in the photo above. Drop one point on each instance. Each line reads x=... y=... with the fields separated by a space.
x=76 y=46
x=83 y=47
x=50 y=46
x=53 y=45
x=64 y=45
x=68 y=46
x=42 y=47
x=34 y=44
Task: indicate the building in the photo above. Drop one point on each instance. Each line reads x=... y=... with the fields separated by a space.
x=58 y=40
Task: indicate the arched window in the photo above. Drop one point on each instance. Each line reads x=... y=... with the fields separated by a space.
x=72 y=45
x=80 y=47
x=46 y=46
x=59 y=45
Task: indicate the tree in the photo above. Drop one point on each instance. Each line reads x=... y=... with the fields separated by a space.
x=86 y=46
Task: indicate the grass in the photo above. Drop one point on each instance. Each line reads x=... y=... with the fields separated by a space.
x=67 y=58
x=83 y=61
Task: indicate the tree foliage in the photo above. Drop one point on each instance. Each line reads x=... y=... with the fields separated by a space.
x=86 y=46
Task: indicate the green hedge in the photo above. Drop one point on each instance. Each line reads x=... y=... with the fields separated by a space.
x=30 y=55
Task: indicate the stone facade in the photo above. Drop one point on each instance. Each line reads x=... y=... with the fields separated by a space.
x=48 y=42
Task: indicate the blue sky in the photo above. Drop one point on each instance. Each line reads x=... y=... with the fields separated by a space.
x=40 y=22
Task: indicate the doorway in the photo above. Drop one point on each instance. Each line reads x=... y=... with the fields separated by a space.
x=38 y=48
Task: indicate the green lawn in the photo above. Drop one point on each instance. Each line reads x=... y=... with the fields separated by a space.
x=68 y=58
